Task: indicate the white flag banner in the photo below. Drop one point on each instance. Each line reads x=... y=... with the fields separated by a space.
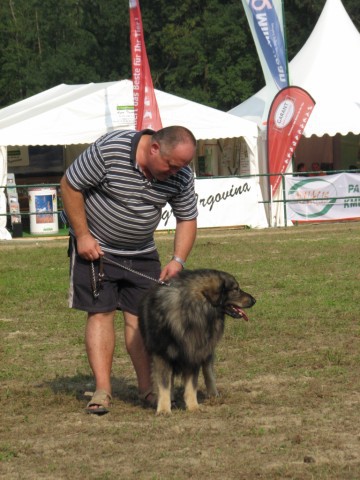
x=323 y=198
x=222 y=202
x=266 y=23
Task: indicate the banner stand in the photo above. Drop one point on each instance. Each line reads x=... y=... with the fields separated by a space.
x=289 y=112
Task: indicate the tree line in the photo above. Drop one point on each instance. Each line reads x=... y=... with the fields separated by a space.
x=201 y=50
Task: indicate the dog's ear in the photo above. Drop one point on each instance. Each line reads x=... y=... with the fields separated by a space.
x=215 y=293
x=217 y=288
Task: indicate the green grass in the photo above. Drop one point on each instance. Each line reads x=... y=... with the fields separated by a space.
x=289 y=378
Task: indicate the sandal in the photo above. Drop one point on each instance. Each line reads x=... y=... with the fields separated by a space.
x=101 y=400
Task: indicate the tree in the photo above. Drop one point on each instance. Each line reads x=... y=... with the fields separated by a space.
x=46 y=42
x=199 y=49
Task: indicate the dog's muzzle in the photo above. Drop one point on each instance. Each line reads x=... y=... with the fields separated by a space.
x=235 y=311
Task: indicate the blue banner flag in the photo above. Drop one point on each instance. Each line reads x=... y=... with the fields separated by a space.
x=265 y=18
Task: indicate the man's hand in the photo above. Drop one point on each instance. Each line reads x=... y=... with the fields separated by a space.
x=170 y=270
x=88 y=247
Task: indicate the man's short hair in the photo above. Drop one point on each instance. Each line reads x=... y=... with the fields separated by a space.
x=170 y=137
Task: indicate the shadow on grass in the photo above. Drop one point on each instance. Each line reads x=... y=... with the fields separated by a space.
x=80 y=387
x=77 y=386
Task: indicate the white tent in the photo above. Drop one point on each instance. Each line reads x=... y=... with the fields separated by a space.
x=79 y=114
x=328 y=67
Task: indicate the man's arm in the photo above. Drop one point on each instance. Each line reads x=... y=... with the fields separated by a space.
x=185 y=235
x=73 y=201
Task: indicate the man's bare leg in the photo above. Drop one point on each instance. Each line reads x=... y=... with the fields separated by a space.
x=138 y=354
x=100 y=345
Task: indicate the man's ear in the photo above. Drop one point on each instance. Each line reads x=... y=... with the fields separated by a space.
x=154 y=147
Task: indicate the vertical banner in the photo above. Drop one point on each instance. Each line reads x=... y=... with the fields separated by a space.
x=146 y=109
x=265 y=18
x=4 y=234
x=288 y=116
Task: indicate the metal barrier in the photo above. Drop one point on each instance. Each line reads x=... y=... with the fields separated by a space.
x=35 y=207
x=263 y=180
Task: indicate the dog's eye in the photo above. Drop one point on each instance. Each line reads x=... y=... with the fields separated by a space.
x=235 y=288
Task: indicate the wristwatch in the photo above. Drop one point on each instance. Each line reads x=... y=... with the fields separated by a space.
x=179 y=260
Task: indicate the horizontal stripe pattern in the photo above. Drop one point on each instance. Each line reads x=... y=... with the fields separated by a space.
x=123 y=208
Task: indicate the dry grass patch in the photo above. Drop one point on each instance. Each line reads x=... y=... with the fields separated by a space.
x=289 y=378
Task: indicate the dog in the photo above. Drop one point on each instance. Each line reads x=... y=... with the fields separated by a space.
x=181 y=324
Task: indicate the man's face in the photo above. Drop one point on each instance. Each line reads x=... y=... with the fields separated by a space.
x=163 y=165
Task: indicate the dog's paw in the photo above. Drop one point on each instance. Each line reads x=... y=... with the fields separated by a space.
x=213 y=401
x=213 y=393
x=193 y=407
x=163 y=412
x=197 y=411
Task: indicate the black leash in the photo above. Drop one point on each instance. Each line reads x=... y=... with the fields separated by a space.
x=96 y=284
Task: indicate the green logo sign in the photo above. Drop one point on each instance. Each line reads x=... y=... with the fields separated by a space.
x=312 y=197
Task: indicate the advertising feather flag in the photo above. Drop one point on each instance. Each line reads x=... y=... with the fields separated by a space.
x=266 y=22
x=288 y=116
x=146 y=109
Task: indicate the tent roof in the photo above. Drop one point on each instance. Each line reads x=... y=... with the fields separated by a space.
x=328 y=68
x=77 y=114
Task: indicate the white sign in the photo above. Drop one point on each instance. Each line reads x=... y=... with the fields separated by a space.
x=222 y=202
x=17 y=156
x=124 y=115
x=323 y=198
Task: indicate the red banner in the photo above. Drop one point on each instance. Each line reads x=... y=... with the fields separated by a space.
x=146 y=110
x=288 y=116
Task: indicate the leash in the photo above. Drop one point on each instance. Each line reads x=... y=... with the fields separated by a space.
x=96 y=284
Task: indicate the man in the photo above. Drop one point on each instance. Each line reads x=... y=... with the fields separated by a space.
x=113 y=194
x=316 y=170
x=301 y=170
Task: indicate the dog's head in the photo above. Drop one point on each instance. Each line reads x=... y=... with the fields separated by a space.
x=223 y=291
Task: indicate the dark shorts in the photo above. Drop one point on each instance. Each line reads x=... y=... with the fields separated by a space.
x=120 y=289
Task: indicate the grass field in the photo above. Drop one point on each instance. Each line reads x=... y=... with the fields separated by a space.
x=289 y=378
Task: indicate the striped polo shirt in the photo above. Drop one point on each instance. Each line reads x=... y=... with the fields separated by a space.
x=123 y=208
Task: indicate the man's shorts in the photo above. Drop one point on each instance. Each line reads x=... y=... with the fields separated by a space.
x=120 y=289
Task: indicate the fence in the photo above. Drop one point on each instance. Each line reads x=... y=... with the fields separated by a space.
x=302 y=198
x=34 y=207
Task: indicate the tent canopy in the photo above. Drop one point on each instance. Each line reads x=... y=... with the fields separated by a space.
x=328 y=68
x=79 y=114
